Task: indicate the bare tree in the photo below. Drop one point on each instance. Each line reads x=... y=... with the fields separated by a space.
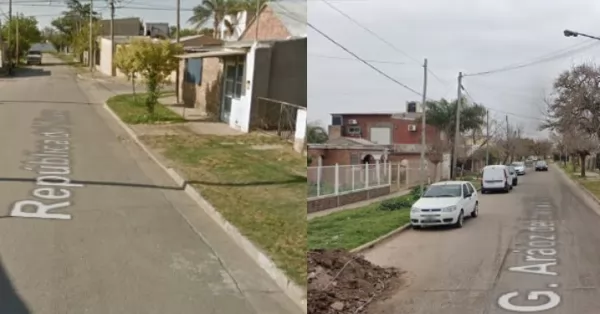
x=574 y=110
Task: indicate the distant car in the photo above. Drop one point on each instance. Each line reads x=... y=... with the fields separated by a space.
x=496 y=178
x=512 y=172
x=541 y=166
x=34 y=57
x=445 y=203
x=519 y=167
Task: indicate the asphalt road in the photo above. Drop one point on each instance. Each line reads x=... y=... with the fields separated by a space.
x=90 y=225
x=534 y=250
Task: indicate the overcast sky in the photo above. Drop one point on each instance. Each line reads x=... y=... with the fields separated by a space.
x=461 y=35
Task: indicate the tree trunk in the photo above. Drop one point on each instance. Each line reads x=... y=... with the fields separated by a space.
x=582 y=166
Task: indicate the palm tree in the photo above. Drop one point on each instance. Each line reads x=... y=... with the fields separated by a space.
x=217 y=10
x=442 y=115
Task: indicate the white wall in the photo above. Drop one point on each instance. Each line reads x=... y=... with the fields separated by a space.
x=239 y=20
x=300 y=134
x=105 y=57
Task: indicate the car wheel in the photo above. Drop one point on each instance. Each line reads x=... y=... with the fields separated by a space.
x=516 y=183
x=483 y=191
x=461 y=220
x=475 y=211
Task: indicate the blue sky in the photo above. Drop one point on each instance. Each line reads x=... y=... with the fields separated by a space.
x=148 y=10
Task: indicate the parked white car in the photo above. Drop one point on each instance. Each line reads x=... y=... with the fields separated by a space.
x=496 y=178
x=445 y=203
x=519 y=167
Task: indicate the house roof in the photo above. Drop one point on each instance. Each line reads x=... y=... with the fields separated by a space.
x=292 y=14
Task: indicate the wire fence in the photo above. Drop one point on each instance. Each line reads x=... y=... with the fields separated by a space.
x=275 y=116
x=339 y=179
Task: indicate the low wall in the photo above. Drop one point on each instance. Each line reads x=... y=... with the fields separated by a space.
x=327 y=202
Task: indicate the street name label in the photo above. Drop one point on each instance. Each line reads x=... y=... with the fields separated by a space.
x=540 y=259
x=52 y=165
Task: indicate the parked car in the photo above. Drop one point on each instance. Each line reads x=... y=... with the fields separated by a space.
x=519 y=167
x=496 y=178
x=34 y=57
x=512 y=172
x=445 y=203
x=541 y=165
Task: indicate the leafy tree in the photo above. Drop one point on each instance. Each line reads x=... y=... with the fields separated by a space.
x=28 y=33
x=316 y=134
x=81 y=40
x=154 y=60
x=126 y=63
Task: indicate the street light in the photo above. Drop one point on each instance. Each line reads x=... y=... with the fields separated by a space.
x=570 y=33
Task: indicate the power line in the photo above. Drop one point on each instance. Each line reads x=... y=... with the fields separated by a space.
x=291 y=15
x=382 y=40
x=552 y=57
x=352 y=59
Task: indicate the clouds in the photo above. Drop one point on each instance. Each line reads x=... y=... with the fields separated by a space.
x=465 y=35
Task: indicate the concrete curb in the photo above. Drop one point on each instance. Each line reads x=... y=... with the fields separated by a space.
x=384 y=237
x=290 y=288
x=578 y=184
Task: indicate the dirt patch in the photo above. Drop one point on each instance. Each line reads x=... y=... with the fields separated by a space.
x=343 y=283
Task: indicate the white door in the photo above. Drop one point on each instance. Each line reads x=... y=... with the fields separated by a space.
x=381 y=135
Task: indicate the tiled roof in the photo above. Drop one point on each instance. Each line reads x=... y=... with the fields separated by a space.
x=292 y=13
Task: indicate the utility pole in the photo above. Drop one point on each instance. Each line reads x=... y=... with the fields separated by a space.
x=91 y=30
x=457 y=126
x=178 y=39
x=508 y=144
x=112 y=36
x=487 y=135
x=17 y=41
x=9 y=39
x=423 y=126
x=256 y=20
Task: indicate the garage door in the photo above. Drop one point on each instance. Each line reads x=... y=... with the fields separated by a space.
x=381 y=136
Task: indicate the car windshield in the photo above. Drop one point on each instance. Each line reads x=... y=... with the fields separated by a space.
x=446 y=190
x=36 y=53
x=541 y=163
x=518 y=164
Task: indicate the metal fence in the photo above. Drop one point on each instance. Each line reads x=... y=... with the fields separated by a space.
x=339 y=179
x=275 y=116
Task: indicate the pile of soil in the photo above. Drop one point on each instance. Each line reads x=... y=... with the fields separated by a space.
x=343 y=283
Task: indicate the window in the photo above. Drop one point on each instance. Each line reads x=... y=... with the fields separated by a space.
x=336 y=120
x=354 y=130
x=470 y=188
x=465 y=190
x=193 y=71
x=234 y=78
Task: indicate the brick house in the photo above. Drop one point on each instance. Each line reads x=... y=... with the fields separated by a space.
x=229 y=80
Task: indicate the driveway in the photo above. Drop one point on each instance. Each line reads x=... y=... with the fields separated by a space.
x=534 y=250
x=90 y=225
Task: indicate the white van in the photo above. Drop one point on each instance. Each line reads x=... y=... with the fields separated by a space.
x=496 y=178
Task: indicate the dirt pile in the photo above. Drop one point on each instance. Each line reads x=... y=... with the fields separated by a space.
x=343 y=283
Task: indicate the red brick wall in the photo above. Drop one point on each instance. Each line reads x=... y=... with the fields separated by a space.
x=324 y=203
x=400 y=132
x=269 y=27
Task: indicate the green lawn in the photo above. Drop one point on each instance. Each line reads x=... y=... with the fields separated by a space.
x=354 y=227
x=258 y=187
x=132 y=110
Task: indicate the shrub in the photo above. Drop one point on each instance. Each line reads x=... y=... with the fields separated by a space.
x=397 y=203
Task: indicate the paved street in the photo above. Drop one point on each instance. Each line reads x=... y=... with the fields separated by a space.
x=91 y=225
x=541 y=241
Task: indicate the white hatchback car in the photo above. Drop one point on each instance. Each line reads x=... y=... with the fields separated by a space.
x=445 y=203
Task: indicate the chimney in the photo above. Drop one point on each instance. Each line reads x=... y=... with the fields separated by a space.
x=335 y=131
